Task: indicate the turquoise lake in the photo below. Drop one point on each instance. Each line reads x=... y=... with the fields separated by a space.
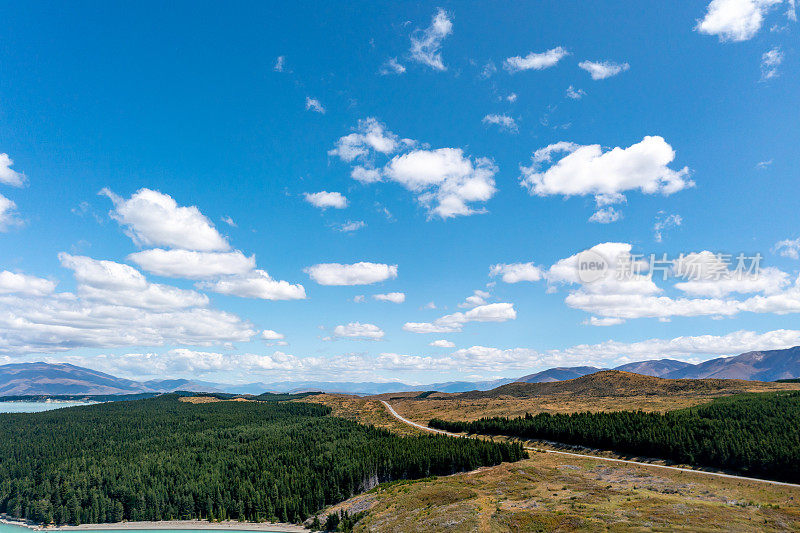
x=35 y=407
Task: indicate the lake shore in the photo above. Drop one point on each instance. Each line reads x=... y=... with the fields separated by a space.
x=229 y=525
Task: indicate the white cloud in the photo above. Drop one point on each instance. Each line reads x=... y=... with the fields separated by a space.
x=270 y=335
x=600 y=70
x=359 y=298
x=575 y=94
x=117 y=284
x=709 y=274
x=312 y=104
x=255 y=284
x=445 y=180
x=788 y=248
x=664 y=223
x=357 y=330
x=516 y=272
x=512 y=97
x=362 y=273
x=534 y=61
x=9 y=176
x=394 y=297
x=391 y=66
x=607 y=175
x=426 y=44
x=770 y=61
x=350 y=226
x=15 y=283
x=193 y=265
x=114 y=306
x=594 y=321
x=443 y=344
x=497 y=312
x=606 y=215
x=155 y=219
x=734 y=20
x=8 y=214
x=366 y=175
x=504 y=121
x=325 y=199
x=229 y=221
x=477 y=298
x=279 y=64
x=370 y=135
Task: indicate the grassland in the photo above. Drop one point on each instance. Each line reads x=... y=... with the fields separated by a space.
x=550 y=492
x=604 y=391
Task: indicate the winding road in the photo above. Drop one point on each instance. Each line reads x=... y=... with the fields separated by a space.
x=587 y=456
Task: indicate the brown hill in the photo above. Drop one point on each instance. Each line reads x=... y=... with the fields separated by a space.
x=609 y=383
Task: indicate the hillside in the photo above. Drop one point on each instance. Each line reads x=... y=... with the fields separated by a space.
x=559 y=374
x=62 y=378
x=657 y=367
x=612 y=383
x=758 y=366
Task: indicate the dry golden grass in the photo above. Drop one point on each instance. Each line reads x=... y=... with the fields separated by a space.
x=551 y=492
x=209 y=399
x=604 y=391
x=555 y=493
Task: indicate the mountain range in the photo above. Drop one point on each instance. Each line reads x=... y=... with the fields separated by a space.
x=62 y=378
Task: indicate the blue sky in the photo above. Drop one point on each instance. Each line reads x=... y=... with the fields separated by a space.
x=417 y=151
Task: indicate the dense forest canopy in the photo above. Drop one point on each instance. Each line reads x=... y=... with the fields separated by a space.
x=160 y=459
x=755 y=434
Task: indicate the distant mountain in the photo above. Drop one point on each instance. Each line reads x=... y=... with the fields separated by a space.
x=559 y=374
x=657 y=367
x=62 y=378
x=757 y=366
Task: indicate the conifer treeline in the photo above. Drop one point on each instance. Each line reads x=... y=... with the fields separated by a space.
x=755 y=434
x=161 y=459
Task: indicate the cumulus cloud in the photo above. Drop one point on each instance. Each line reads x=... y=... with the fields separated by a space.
x=536 y=61
x=497 y=312
x=627 y=290
x=17 y=283
x=8 y=214
x=271 y=335
x=503 y=121
x=114 y=306
x=152 y=218
x=193 y=265
x=393 y=297
x=370 y=135
x=600 y=70
x=255 y=284
x=441 y=343
x=607 y=215
x=445 y=180
x=585 y=170
x=734 y=20
x=312 y=104
x=357 y=330
x=477 y=298
x=516 y=272
x=426 y=44
x=8 y=176
x=279 y=64
x=325 y=199
x=362 y=273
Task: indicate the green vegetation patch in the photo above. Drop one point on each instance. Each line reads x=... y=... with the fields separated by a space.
x=755 y=434
x=161 y=459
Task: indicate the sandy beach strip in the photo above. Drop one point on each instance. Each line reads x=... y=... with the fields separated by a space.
x=228 y=525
